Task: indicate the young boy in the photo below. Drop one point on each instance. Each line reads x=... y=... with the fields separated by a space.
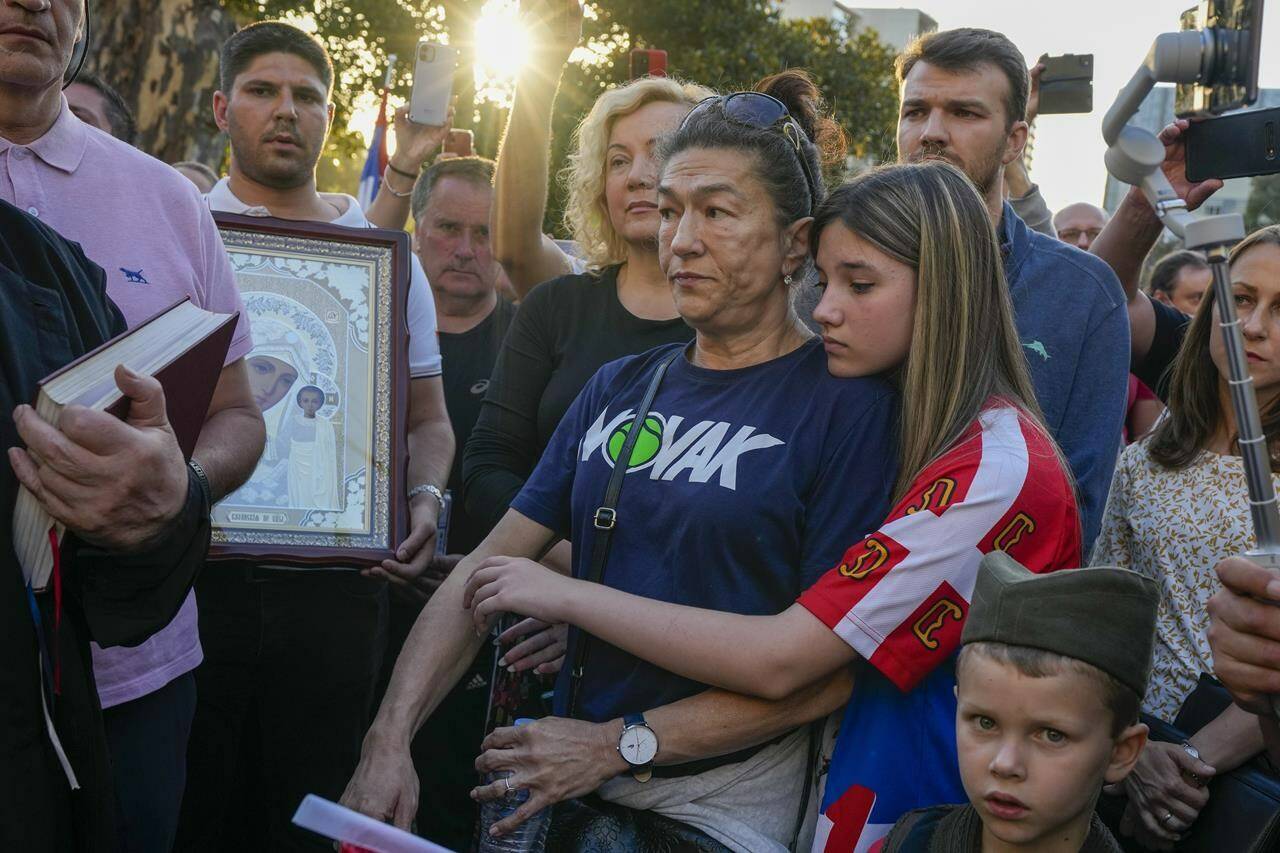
x=1049 y=681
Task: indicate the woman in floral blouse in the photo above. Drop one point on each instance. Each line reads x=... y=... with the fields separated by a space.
x=1178 y=505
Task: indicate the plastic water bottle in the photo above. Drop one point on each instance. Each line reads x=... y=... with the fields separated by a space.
x=528 y=837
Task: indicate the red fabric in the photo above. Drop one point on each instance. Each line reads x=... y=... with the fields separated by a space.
x=381 y=123
x=57 y=610
x=900 y=596
x=848 y=816
x=1138 y=392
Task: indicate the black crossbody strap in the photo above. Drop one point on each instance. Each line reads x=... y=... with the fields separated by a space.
x=605 y=519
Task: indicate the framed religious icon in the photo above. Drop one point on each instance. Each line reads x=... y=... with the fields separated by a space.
x=328 y=368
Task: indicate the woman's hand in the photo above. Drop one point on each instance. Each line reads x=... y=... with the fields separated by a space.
x=512 y=585
x=554 y=759
x=1167 y=789
x=542 y=650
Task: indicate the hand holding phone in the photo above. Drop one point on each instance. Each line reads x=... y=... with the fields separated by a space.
x=417 y=143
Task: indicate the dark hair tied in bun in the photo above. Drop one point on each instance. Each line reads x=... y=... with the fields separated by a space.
x=778 y=163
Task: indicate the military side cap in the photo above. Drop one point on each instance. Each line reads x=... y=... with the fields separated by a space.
x=1103 y=616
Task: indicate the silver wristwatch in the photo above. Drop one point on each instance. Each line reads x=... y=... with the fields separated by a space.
x=428 y=489
x=638 y=746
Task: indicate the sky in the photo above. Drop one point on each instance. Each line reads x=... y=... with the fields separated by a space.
x=1068 y=151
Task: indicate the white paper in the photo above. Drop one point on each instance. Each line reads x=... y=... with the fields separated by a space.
x=342 y=824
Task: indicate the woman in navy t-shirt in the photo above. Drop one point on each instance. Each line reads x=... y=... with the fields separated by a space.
x=738 y=494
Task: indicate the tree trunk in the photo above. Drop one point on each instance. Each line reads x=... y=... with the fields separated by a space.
x=162 y=56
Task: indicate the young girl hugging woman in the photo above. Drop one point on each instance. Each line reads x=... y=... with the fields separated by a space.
x=915 y=292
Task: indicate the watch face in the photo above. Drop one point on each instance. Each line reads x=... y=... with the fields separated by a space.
x=638 y=745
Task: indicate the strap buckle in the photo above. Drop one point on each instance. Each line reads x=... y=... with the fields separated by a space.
x=606 y=518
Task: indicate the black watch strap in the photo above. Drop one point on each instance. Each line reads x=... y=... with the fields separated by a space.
x=203 y=479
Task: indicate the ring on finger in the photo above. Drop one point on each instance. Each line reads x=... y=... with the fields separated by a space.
x=506 y=780
x=1168 y=819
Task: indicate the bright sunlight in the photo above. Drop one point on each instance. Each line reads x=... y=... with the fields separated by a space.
x=502 y=45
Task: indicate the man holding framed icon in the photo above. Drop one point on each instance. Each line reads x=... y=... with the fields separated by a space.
x=299 y=699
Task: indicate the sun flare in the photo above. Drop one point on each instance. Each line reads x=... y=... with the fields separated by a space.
x=502 y=44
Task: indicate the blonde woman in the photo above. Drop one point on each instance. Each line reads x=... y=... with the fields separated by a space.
x=570 y=326
x=914 y=291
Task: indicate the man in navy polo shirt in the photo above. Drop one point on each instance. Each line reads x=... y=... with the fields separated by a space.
x=962 y=95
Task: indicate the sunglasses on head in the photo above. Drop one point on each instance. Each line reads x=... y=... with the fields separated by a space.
x=762 y=112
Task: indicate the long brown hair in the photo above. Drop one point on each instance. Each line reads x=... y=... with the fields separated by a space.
x=965 y=346
x=1195 y=386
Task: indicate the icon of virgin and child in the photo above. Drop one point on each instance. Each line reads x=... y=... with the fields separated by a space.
x=291 y=369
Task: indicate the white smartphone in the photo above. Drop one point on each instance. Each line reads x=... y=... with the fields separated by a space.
x=432 y=83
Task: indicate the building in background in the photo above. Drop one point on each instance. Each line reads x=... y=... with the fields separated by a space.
x=1156 y=112
x=895 y=27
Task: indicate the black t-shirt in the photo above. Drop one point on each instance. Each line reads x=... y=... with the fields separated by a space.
x=468 y=363
x=564 y=331
x=1171 y=328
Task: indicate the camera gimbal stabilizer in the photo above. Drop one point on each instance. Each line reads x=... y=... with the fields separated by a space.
x=1134 y=156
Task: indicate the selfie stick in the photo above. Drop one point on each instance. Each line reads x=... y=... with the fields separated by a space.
x=1134 y=156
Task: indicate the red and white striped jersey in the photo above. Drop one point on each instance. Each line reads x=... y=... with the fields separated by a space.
x=900 y=597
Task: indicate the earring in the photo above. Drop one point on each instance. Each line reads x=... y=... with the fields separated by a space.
x=786 y=279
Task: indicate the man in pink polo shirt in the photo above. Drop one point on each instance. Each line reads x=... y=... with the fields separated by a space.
x=150 y=230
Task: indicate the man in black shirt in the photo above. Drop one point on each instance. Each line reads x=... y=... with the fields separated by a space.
x=138 y=524
x=450 y=206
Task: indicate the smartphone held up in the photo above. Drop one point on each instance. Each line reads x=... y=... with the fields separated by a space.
x=647 y=63
x=1236 y=145
x=433 y=69
x=459 y=143
x=1066 y=84
x=1223 y=141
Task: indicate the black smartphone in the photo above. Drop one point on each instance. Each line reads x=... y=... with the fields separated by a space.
x=1230 y=57
x=1239 y=145
x=1066 y=84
